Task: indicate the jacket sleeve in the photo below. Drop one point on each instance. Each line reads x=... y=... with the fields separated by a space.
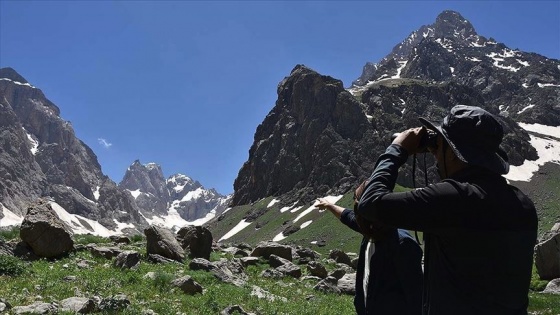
x=349 y=219
x=421 y=209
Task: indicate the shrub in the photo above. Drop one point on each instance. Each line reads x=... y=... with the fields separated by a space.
x=11 y=266
x=137 y=238
x=85 y=239
x=162 y=281
x=9 y=233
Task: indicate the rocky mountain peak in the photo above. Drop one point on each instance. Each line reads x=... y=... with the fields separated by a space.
x=449 y=29
x=450 y=24
x=11 y=74
x=146 y=178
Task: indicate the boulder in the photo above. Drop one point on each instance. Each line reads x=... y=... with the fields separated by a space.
x=35 y=308
x=197 y=240
x=547 y=258
x=317 y=269
x=78 y=305
x=161 y=241
x=265 y=249
x=340 y=257
x=187 y=285
x=46 y=234
x=553 y=287
x=347 y=284
x=127 y=260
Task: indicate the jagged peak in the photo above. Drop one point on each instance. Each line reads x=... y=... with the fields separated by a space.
x=453 y=24
x=175 y=178
x=11 y=74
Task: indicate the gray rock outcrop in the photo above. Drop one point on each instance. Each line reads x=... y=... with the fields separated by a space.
x=161 y=241
x=45 y=232
x=547 y=258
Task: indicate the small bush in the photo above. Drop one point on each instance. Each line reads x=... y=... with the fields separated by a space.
x=137 y=238
x=9 y=233
x=162 y=281
x=85 y=239
x=11 y=266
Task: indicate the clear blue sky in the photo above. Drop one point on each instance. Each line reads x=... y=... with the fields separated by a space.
x=185 y=84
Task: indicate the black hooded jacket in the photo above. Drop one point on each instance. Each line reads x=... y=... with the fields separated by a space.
x=479 y=236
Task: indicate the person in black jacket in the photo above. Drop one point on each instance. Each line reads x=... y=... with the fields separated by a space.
x=389 y=271
x=479 y=231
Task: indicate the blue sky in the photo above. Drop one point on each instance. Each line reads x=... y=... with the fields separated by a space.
x=185 y=83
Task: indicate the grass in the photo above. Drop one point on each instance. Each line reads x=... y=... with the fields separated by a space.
x=46 y=278
x=49 y=279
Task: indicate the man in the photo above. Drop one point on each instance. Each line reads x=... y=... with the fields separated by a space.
x=389 y=271
x=479 y=231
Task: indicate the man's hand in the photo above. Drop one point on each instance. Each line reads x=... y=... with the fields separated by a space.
x=323 y=204
x=410 y=140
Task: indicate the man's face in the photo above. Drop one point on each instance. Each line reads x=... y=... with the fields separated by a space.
x=439 y=153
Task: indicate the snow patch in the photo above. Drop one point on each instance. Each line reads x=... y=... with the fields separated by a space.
x=195 y=194
x=272 y=203
x=279 y=237
x=305 y=224
x=547 y=144
x=96 y=193
x=296 y=209
x=18 y=83
x=331 y=199
x=74 y=221
x=34 y=143
x=541 y=85
x=135 y=193
x=402 y=65
x=9 y=218
x=525 y=108
x=240 y=226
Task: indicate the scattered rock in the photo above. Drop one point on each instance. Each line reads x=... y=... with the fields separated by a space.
x=36 y=308
x=277 y=261
x=263 y=294
x=347 y=284
x=187 y=285
x=114 y=303
x=328 y=285
x=290 y=269
x=104 y=252
x=120 y=239
x=317 y=269
x=79 y=305
x=127 y=260
x=265 y=249
x=340 y=257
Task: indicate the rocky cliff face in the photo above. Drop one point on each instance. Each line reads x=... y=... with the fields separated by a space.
x=41 y=156
x=323 y=139
x=157 y=196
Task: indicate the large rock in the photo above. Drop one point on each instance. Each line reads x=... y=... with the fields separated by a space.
x=161 y=241
x=197 y=240
x=553 y=287
x=547 y=258
x=187 y=285
x=265 y=249
x=78 y=305
x=45 y=232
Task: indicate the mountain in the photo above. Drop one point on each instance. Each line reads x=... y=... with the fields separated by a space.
x=520 y=85
x=321 y=139
x=41 y=157
x=179 y=195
